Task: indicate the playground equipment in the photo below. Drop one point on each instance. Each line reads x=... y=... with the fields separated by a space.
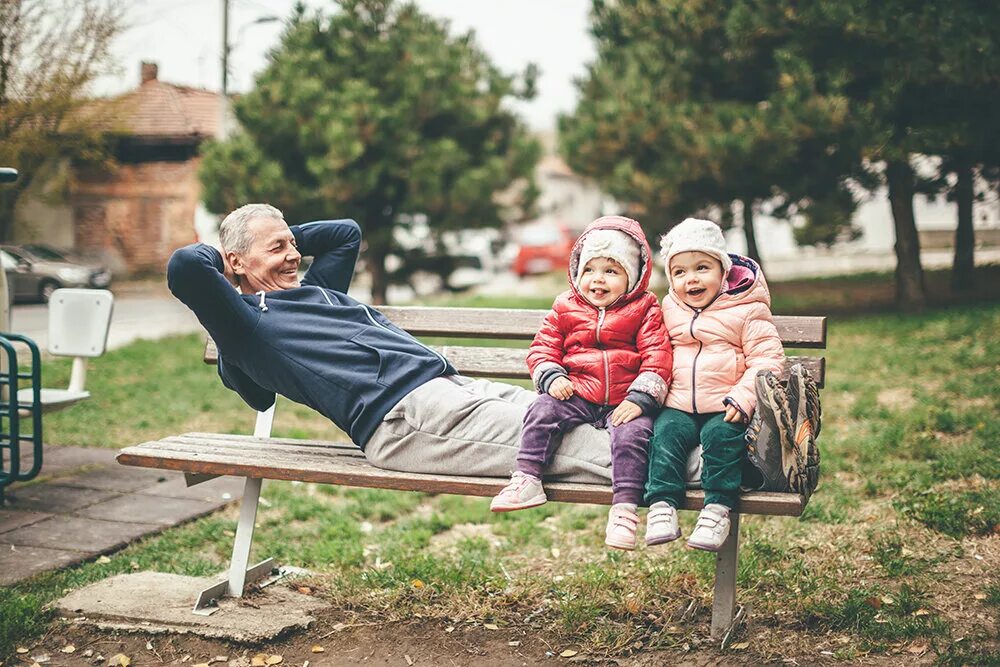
x=79 y=320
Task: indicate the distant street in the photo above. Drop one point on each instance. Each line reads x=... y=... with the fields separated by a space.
x=140 y=311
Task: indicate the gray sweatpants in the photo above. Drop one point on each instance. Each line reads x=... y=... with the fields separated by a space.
x=455 y=425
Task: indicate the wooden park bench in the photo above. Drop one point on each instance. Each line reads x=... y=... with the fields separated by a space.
x=202 y=456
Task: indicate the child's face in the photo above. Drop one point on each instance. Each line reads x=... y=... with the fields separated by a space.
x=603 y=281
x=695 y=277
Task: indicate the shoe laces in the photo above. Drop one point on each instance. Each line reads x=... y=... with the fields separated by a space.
x=517 y=483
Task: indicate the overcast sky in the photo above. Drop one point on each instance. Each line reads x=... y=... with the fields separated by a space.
x=184 y=38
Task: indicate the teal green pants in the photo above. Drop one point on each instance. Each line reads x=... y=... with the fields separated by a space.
x=675 y=434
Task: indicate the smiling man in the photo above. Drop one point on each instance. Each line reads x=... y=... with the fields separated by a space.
x=400 y=401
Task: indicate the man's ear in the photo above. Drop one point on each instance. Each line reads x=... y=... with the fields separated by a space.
x=235 y=263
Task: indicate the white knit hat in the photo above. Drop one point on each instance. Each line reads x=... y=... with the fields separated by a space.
x=613 y=244
x=698 y=236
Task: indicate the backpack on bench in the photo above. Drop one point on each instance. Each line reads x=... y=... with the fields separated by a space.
x=781 y=438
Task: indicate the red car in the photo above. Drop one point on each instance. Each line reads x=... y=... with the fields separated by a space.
x=543 y=247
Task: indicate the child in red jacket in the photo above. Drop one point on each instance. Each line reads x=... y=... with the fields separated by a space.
x=601 y=357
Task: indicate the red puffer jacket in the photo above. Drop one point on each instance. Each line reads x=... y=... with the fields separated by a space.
x=606 y=352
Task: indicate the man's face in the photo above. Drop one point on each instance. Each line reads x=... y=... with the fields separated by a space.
x=272 y=263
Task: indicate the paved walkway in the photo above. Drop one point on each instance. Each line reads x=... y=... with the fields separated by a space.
x=86 y=505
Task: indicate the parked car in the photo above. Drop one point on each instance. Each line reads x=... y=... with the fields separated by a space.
x=542 y=248
x=36 y=270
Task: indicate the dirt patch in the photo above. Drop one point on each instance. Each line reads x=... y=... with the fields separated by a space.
x=449 y=540
x=896 y=398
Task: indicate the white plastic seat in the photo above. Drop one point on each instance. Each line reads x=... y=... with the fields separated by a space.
x=79 y=320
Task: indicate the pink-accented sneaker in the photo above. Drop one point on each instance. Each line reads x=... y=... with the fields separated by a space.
x=661 y=524
x=623 y=522
x=522 y=492
x=712 y=529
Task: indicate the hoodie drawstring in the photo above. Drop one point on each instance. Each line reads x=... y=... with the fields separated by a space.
x=262 y=305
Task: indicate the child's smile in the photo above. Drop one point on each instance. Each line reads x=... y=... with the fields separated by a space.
x=695 y=277
x=603 y=281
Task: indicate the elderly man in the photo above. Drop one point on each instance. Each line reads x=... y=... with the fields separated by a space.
x=401 y=402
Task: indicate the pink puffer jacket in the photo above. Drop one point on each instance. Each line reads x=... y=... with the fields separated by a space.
x=719 y=350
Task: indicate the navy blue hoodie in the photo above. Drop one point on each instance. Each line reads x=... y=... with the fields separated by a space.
x=312 y=344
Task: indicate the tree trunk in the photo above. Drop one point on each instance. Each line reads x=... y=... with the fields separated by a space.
x=749 y=232
x=963 y=268
x=8 y=205
x=911 y=294
x=377 y=253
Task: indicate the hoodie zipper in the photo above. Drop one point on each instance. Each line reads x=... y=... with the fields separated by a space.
x=378 y=324
x=604 y=356
x=694 y=365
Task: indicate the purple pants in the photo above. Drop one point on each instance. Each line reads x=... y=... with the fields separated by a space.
x=548 y=418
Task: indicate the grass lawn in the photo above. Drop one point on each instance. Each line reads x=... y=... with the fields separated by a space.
x=897 y=554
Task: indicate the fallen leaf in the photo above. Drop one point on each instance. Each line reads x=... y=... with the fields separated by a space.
x=103 y=560
x=921 y=612
x=201 y=664
x=632 y=606
x=409 y=660
x=318 y=649
x=220 y=658
x=305 y=590
x=555 y=552
x=273 y=660
x=568 y=653
x=416 y=583
x=980 y=596
x=740 y=646
x=22 y=650
x=258 y=660
x=134 y=565
x=491 y=626
x=68 y=648
x=514 y=643
x=41 y=658
x=89 y=652
x=120 y=660
x=339 y=626
x=450 y=628
x=887 y=599
x=149 y=646
x=918 y=648
x=874 y=602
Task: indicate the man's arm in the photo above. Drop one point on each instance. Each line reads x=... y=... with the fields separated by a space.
x=334 y=246
x=256 y=397
x=195 y=275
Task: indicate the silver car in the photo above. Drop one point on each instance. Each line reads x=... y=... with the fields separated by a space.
x=36 y=270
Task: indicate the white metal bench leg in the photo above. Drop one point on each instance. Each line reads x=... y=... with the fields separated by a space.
x=239 y=576
x=726 y=566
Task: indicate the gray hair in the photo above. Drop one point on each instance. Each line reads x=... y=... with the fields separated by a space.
x=234 y=232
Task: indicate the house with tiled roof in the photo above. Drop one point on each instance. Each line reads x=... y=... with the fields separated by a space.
x=136 y=212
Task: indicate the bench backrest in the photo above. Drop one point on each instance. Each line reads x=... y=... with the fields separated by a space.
x=505 y=324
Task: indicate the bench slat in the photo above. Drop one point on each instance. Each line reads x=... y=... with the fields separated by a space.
x=503 y=362
x=521 y=324
x=515 y=324
x=272 y=458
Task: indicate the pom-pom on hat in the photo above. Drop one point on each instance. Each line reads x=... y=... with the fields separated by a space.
x=613 y=244
x=698 y=236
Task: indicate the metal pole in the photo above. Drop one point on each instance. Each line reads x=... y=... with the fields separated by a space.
x=224 y=98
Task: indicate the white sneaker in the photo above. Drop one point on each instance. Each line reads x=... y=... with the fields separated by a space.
x=522 y=492
x=712 y=529
x=623 y=523
x=661 y=524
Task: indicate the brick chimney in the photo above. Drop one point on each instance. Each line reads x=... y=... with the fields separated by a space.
x=148 y=71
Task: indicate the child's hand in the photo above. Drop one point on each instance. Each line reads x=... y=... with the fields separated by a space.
x=624 y=413
x=561 y=388
x=733 y=414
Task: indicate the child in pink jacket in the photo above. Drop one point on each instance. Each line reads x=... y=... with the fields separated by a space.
x=718 y=317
